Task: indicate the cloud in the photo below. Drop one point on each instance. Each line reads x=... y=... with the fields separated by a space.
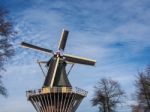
x=16 y=104
x=116 y=34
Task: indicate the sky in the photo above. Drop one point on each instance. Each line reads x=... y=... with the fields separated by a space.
x=114 y=33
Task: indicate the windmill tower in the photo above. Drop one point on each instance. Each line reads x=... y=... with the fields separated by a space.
x=57 y=93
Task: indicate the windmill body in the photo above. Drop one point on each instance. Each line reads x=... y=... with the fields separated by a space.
x=60 y=79
x=57 y=93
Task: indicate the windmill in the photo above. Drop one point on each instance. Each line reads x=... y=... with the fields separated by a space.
x=57 y=93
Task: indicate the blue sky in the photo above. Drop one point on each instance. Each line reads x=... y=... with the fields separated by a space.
x=115 y=33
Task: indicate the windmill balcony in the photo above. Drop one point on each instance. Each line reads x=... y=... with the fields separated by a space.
x=56 y=90
x=56 y=99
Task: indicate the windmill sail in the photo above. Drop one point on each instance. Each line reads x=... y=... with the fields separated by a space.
x=79 y=60
x=48 y=79
x=63 y=40
x=24 y=44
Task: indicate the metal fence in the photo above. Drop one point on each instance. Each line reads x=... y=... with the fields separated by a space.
x=57 y=90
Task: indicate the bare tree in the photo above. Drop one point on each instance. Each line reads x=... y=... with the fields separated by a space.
x=143 y=90
x=6 y=48
x=108 y=94
x=136 y=108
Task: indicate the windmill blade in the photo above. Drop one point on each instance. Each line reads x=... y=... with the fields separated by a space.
x=49 y=80
x=24 y=44
x=79 y=60
x=42 y=61
x=54 y=72
x=63 y=40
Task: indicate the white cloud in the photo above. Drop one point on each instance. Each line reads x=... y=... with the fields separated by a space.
x=93 y=31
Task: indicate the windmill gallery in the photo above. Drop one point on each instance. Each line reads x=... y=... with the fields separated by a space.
x=57 y=93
